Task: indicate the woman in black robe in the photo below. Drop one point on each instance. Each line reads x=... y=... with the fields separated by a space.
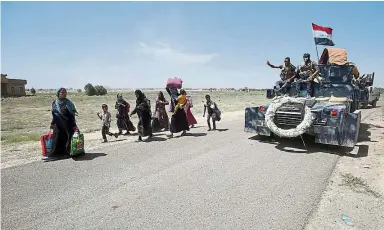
x=161 y=120
x=179 y=122
x=63 y=124
x=143 y=110
x=122 y=115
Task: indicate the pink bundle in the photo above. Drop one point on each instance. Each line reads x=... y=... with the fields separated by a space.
x=174 y=83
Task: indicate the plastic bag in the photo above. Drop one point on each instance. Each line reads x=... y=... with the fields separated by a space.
x=46 y=143
x=77 y=143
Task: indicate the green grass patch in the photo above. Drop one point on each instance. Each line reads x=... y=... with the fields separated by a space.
x=21 y=137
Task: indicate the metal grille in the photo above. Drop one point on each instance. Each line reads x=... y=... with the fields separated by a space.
x=289 y=115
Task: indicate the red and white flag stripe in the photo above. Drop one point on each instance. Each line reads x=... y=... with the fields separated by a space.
x=322 y=35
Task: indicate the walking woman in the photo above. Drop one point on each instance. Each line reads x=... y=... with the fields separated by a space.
x=122 y=115
x=143 y=110
x=63 y=125
x=190 y=118
x=161 y=120
x=179 y=118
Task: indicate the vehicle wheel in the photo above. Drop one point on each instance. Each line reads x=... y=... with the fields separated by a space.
x=374 y=103
x=364 y=105
x=354 y=106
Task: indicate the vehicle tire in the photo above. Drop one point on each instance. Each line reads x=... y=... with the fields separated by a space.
x=364 y=105
x=354 y=106
x=374 y=103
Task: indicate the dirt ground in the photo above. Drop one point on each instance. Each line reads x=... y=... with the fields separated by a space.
x=354 y=198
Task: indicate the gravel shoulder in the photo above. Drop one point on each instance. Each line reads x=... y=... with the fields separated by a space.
x=356 y=189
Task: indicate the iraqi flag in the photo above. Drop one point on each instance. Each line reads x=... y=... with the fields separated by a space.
x=322 y=35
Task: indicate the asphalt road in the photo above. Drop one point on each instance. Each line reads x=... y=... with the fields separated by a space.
x=220 y=180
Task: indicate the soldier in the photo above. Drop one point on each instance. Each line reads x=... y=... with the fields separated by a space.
x=306 y=72
x=287 y=74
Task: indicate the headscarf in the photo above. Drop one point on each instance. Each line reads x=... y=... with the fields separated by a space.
x=119 y=97
x=63 y=101
x=161 y=96
x=142 y=102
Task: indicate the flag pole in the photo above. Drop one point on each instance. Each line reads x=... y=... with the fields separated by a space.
x=317 y=52
x=314 y=40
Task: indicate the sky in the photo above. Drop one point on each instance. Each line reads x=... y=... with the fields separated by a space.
x=207 y=44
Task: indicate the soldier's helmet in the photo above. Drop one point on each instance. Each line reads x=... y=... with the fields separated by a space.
x=306 y=55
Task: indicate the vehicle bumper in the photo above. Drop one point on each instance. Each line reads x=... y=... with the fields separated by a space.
x=345 y=136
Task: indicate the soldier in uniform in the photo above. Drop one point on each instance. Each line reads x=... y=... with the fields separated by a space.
x=306 y=73
x=287 y=74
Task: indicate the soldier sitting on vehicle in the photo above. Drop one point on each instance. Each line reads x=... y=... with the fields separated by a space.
x=287 y=75
x=306 y=73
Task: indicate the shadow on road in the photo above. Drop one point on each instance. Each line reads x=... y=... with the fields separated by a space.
x=365 y=134
x=89 y=156
x=155 y=138
x=296 y=145
x=370 y=107
x=221 y=130
x=192 y=135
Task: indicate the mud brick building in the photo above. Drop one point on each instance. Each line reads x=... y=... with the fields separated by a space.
x=12 y=87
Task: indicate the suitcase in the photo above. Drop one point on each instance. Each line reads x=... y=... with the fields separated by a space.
x=77 y=144
x=46 y=143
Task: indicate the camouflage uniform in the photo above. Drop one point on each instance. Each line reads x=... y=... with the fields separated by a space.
x=286 y=73
x=305 y=70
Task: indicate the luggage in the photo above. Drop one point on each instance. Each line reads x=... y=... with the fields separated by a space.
x=77 y=143
x=216 y=115
x=174 y=83
x=46 y=143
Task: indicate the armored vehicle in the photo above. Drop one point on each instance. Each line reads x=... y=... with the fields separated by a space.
x=331 y=114
x=369 y=95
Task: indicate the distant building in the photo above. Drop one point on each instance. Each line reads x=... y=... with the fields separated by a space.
x=12 y=87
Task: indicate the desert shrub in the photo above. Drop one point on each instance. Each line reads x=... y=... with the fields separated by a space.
x=100 y=90
x=89 y=90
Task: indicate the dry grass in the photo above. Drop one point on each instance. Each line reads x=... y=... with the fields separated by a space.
x=358 y=185
x=27 y=118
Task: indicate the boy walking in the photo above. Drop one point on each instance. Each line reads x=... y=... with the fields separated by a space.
x=106 y=123
x=213 y=112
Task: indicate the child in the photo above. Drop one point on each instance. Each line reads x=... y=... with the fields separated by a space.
x=213 y=112
x=106 y=123
x=181 y=100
